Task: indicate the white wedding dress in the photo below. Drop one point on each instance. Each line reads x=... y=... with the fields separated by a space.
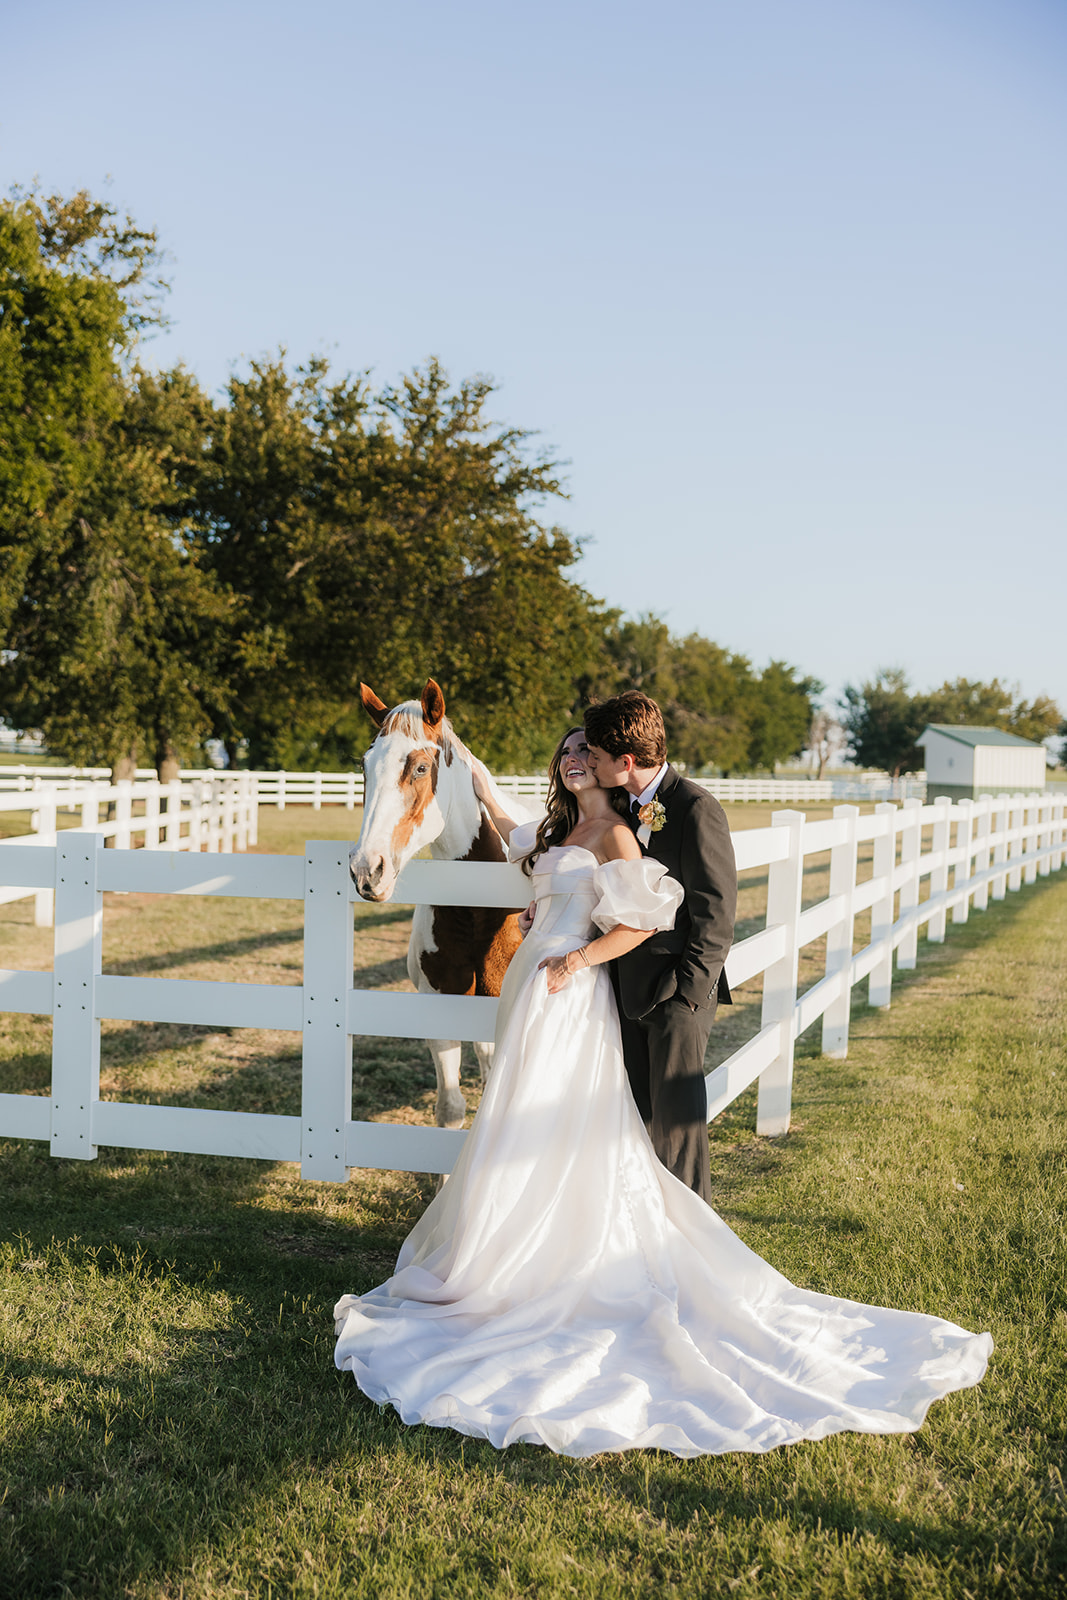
x=565 y=1289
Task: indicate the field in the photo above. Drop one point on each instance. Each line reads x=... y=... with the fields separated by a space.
x=171 y=1423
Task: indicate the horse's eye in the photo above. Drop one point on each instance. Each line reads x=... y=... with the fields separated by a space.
x=420 y=772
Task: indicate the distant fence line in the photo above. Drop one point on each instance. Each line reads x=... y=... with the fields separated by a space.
x=977 y=849
x=316 y=789
x=216 y=813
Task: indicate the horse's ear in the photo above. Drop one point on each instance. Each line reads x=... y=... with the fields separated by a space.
x=433 y=704
x=376 y=709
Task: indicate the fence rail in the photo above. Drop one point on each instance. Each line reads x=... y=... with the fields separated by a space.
x=219 y=813
x=977 y=849
x=316 y=789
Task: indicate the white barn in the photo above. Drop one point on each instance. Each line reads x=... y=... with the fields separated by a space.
x=964 y=762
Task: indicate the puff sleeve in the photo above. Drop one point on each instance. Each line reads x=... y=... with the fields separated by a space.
x=635 y=894
x=522 y=840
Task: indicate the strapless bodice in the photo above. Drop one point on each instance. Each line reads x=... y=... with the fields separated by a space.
x=563 y=883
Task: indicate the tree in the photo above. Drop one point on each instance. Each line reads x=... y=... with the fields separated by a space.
x=110 y=623
x=826 y=739
x=780 y=715
x=994 y=705
x=61 y=332
x=883 y=720
x=387 y=538
x=117 y=639
x=718 y=713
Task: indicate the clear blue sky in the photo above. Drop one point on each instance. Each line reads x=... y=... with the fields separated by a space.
x=785 y=283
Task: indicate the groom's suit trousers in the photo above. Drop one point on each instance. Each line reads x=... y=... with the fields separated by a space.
x=664 y=1056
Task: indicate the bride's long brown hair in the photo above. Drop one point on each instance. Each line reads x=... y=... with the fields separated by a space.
x=562 y=808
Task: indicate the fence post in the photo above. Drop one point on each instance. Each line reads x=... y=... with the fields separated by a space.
x=226 y=805
x=836 y=1017
x=935 y=928
x=1031 y=839
x=253 y=816
x=785 y=881
x=90 y=810
x=151 y=817
x=43 y=824
x=326 y=1087
x=880 y=982
x=964 y=843
x=1044 y=838
x=75 y=1028
x=241 y=782
x=1018 y=820
x=1057 y=835
x=173 y=833
x=911 y=838
x=316 y=791
x=123 y=813
x=196 y=815
x=1002 y=822
x=213 y=816
x=983 y=813
x=350 y=792
x=280 y=801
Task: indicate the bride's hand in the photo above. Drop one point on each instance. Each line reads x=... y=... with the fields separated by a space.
x=481 y=779
x=558 y=972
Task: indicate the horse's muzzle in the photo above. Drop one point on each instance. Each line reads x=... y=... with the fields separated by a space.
x=369 y=876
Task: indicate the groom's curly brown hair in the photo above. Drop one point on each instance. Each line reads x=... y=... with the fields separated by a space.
x=629 y=724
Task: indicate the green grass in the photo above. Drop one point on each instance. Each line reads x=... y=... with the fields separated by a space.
x=171 y=1424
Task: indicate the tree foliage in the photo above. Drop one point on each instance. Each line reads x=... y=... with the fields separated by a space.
x=883 y=718
x=388 y=538
x=108 y=619
x=721 y=715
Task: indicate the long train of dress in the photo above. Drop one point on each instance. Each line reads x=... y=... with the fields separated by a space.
x=565 y=1289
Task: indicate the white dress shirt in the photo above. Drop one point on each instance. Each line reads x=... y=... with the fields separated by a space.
x=649 y=792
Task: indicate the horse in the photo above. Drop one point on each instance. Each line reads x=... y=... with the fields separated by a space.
x=418 y=791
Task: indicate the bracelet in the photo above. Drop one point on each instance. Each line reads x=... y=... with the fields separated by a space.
x=585 y=958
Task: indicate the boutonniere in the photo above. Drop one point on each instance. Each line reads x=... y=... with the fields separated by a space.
x=651 y=817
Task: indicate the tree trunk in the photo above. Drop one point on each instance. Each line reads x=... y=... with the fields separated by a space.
x=125 y=767
x=168 y=767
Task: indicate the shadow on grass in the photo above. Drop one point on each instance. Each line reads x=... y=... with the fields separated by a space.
x=224 y=950
x=227 y=949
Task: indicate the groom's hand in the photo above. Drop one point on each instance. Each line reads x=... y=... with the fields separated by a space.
x=526 y=918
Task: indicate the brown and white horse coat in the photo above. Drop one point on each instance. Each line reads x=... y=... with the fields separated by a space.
x=418 y=792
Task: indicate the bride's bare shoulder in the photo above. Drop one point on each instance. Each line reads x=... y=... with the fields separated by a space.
x=617 y=843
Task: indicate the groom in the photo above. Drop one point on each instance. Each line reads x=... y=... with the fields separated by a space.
x=668 y=988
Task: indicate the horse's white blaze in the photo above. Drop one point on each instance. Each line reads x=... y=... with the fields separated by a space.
x=388 y=839
x=390 y=833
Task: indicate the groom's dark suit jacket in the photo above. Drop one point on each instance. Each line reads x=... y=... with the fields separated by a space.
x=694 y=845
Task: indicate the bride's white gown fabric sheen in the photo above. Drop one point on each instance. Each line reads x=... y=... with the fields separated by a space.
x=565 y=1289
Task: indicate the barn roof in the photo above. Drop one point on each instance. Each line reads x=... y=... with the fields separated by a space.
x=978 y=736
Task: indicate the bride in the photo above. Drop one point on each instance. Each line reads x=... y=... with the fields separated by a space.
x=564 y=1288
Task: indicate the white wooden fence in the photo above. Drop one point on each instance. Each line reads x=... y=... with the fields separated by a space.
x=219 y=813
x=976 y=849
x=316 y=789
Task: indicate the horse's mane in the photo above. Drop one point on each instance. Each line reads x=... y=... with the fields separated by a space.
x=408 y=720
